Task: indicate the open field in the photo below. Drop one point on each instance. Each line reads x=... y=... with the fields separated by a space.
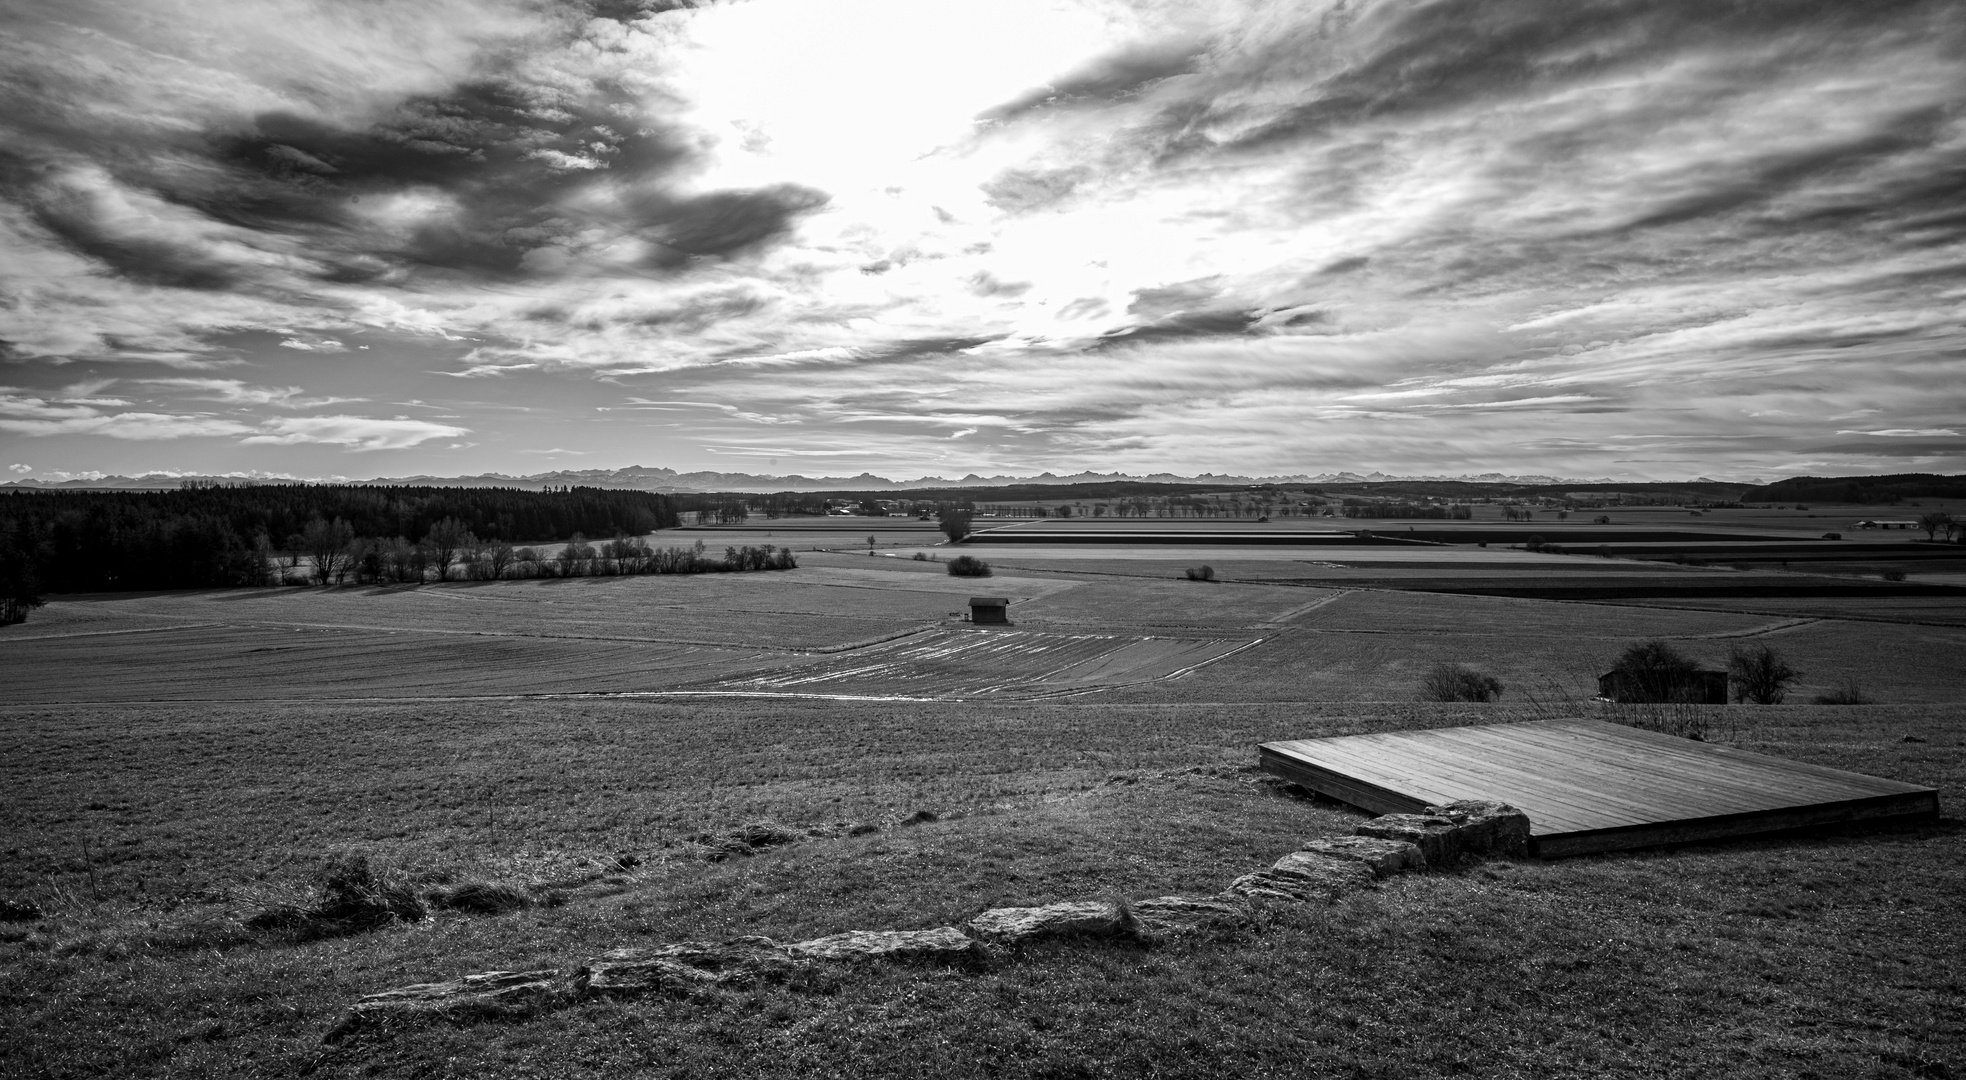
x=175 y=763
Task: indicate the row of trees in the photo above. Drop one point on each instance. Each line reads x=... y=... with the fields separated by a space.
x=1358 y=509
x=328 y=553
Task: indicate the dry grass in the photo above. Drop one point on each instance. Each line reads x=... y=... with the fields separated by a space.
x=1750 y=959
x=542 y=832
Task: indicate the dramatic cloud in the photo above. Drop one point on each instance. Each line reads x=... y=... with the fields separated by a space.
x=1620 y=238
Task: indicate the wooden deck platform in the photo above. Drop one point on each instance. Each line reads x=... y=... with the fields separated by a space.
x=1591 y=786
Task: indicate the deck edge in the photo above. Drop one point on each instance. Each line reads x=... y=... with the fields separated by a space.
x=1346 y=789
x=1906 y=806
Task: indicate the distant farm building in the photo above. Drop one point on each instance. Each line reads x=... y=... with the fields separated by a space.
x=989 y=609
x=1868 y=524
x=1693 y=688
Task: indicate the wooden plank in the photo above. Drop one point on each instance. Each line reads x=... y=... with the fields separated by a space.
x=1592 y=786
x=1659 y=742
x=1634 y=784
x=1336 y=785
x=1604 y=787
x=1908 y=806
x=1727 y=777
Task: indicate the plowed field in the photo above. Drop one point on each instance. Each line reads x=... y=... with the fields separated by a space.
x=941 y=664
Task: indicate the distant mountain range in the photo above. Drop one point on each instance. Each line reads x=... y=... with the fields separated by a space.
x=644 y=478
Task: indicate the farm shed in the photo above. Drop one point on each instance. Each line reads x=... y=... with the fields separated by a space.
x=989 y=609
x=1696 y=688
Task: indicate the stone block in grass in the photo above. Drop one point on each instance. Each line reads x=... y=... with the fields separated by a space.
x=491 y=995
x=1383 y=857
x=1445 y=833
x=683 y=968
x=1313 y=866
x=944 y=944
x=1303 y=876
x=1171 y=914
x=1010 y=926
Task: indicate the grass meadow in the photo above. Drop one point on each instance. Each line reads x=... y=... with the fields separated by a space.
x=164 y=785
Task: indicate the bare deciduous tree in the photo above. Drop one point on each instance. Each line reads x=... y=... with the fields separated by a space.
x=498 y=558
x=1936 y=522
x=1759 y=674
x=576 y=557
x=329 y=546
x=447 y=540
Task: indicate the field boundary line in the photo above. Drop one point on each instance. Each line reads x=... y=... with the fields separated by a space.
x=863 y=643
x=525 y=636
x=1183 y=673
x=107 y=633
x=1279 y=622
x=1849 y=617
x=1776 y=627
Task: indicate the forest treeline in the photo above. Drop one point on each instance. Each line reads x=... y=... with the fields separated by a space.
x=1861 y=489
x=91 y=541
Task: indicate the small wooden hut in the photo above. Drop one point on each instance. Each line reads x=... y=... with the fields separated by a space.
x=989 y=609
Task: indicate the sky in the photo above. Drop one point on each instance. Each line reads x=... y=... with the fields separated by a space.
x=1595 y=238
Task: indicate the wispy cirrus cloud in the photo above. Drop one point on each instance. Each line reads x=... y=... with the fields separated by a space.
x=1908 y=433
x=237 y=392
x=353 y=432
x=23 y=414
x=29 y=415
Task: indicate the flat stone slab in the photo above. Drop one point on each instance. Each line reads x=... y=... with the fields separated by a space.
x=491 y=995
x=1169 y=914
x=1382 y=856
x=1304 y=876
x=684 y=967
x=1010 y=926
x=944 y=943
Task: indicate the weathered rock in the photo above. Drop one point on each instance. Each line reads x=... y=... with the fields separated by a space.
x=684 y=968
x=1340 y=874
x=1304 y=876
x=1435 y=836
x=492 y=995
x=1172 y=914
x=1266 y=885
x=1444 y=833
x=1487 y=828
x=1382 y=857
x=1010 y=926
x=945 y=944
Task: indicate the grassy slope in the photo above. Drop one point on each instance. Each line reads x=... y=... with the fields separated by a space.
x=146 y=828
x=1831 y=956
